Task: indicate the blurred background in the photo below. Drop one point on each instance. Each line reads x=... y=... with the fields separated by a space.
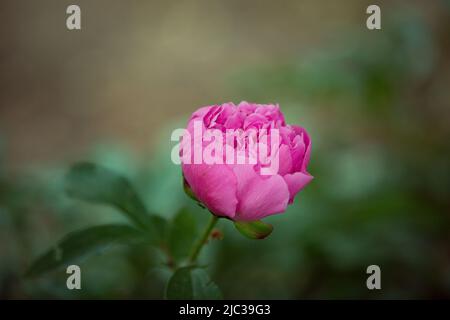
x=376 y=104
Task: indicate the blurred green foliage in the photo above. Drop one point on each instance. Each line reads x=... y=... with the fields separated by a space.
x=377 y=111
x=99 y=185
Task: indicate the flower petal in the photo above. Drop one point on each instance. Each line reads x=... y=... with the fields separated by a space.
x=296 y=182
x=259 y=197
x=285 y=160
x=214 y=185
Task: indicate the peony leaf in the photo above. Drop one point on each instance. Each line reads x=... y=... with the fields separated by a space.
x=94 y=183
x=183 y=233
x=254 y=229
x=80 y=243
x=191 y=283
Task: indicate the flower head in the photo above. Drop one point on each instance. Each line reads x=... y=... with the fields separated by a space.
x=243 y=161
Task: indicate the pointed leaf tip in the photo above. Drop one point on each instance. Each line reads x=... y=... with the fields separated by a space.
x=97 y=184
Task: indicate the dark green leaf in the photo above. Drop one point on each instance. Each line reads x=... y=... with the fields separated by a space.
x=93 y=183
x=80 y=243
x=190 y=283
x=183 y=234
x=161 y=227
x=254 y=229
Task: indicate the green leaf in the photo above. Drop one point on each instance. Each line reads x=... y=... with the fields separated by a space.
x=93 y=183
x=80 y=243
x=254 y=229
x=191 y=283
x=161 y=229
x=183 y=233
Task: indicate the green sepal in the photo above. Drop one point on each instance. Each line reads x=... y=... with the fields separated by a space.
x=254 y=229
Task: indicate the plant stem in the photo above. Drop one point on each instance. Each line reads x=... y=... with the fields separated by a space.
x=199 y=245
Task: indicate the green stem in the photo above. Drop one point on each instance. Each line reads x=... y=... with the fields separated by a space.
x=199 y=245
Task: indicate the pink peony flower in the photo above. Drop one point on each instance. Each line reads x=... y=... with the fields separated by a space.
x=241 y=191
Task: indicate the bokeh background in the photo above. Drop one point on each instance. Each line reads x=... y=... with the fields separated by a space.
x=376 y=103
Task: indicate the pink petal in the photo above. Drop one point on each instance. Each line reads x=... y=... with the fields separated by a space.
x=285 y=160
x=296 y=182
x=254 y=120
x=200 y=113
x=246 y=107
x=259 y=197
x=234 y=121
x=307 y=146
x=306 y=158
x=297 y=153
x=214 y=185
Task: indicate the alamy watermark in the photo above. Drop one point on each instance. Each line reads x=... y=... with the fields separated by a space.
x=231 y=146
x=74 y=280
x=374 y=280
x=73 y=21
